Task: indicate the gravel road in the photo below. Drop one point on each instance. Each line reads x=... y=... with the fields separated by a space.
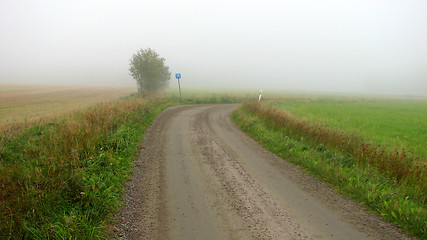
x=199 y=177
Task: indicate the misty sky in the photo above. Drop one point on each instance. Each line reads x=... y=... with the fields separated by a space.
x=366 y=46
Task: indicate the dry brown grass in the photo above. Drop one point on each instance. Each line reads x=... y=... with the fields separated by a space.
x=32 y=102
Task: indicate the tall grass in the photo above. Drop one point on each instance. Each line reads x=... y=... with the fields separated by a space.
x=397 y=164
x=63 y=178
x=390 y=123
x=389 y=183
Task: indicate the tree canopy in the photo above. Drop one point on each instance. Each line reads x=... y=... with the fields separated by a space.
x=149 y=71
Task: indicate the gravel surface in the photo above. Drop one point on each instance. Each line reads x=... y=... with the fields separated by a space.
x=200 y=177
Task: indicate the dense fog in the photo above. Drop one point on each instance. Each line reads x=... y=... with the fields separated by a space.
x=352 y=46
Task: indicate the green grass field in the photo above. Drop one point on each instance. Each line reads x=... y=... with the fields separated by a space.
x=355 y=145
x=394 y=124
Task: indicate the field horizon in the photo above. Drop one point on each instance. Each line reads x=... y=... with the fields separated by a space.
x=19 y=102
x=81 y=142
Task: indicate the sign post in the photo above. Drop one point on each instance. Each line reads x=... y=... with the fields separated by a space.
x=178 y=76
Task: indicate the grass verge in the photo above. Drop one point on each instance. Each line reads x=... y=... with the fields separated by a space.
x=64 y=178
x=401 y=202
x=393 y=124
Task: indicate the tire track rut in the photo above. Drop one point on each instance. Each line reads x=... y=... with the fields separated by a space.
x=199 y=177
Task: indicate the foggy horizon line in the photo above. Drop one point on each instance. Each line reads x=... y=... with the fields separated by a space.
x=266 y=91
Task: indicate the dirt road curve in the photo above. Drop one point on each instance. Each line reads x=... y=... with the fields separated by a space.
x=199 y=177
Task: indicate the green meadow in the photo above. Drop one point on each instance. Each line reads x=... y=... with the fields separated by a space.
x=394 y=124
x=371 y=150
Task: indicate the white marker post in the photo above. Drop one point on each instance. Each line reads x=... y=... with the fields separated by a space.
x=178 y=76
x=259 y=98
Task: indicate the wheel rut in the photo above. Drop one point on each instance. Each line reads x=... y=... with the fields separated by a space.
x=200 y=177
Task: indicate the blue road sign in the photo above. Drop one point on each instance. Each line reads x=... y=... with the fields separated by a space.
x=178 y=75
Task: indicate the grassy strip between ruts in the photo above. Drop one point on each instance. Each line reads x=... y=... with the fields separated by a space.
x=399 y=202
x=63 y=178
